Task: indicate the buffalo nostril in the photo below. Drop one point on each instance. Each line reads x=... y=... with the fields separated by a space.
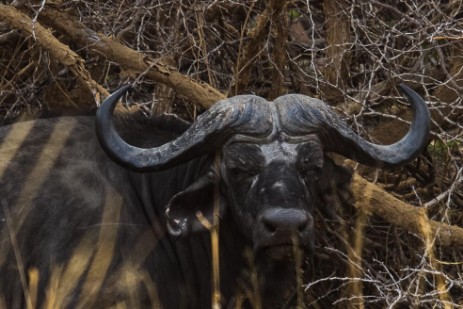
x=285 y=221
x=269 y=226
x=303 y=226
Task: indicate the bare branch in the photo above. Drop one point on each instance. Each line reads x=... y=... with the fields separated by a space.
x=133 y=63
x=58 y=50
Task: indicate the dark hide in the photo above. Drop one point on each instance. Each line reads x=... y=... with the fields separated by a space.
x=97 y=232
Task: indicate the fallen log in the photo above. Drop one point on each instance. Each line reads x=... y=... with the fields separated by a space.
x=371 y=199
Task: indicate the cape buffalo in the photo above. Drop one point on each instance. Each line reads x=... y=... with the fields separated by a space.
x=125 y=217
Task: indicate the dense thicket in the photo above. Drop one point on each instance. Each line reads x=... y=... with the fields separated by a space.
x=64 y=56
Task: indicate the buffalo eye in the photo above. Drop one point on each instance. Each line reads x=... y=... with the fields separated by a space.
x=242 y=160
x=236 y=171
x=309 y=168
x=310 y=160
x=242 y=170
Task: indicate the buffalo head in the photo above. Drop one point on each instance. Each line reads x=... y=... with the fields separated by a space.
x=273 y=165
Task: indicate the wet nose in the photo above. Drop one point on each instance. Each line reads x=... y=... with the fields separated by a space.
x=281 y=221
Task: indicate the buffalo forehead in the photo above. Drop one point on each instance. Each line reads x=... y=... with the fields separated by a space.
x=279 y=151
x=283 y=151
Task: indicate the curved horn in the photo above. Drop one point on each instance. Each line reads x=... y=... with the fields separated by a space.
x=301 y=115
x=247 y=115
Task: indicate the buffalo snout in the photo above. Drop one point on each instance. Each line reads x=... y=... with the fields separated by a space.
x=283 y=227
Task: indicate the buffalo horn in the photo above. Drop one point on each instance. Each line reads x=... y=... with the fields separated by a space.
x=301 y=114
x=246 y=114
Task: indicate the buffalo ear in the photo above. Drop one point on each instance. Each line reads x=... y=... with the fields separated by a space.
x=192 y=209
x=334 y=187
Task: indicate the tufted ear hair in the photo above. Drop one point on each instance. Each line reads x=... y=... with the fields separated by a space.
x=192 y=209
x=334 y=187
